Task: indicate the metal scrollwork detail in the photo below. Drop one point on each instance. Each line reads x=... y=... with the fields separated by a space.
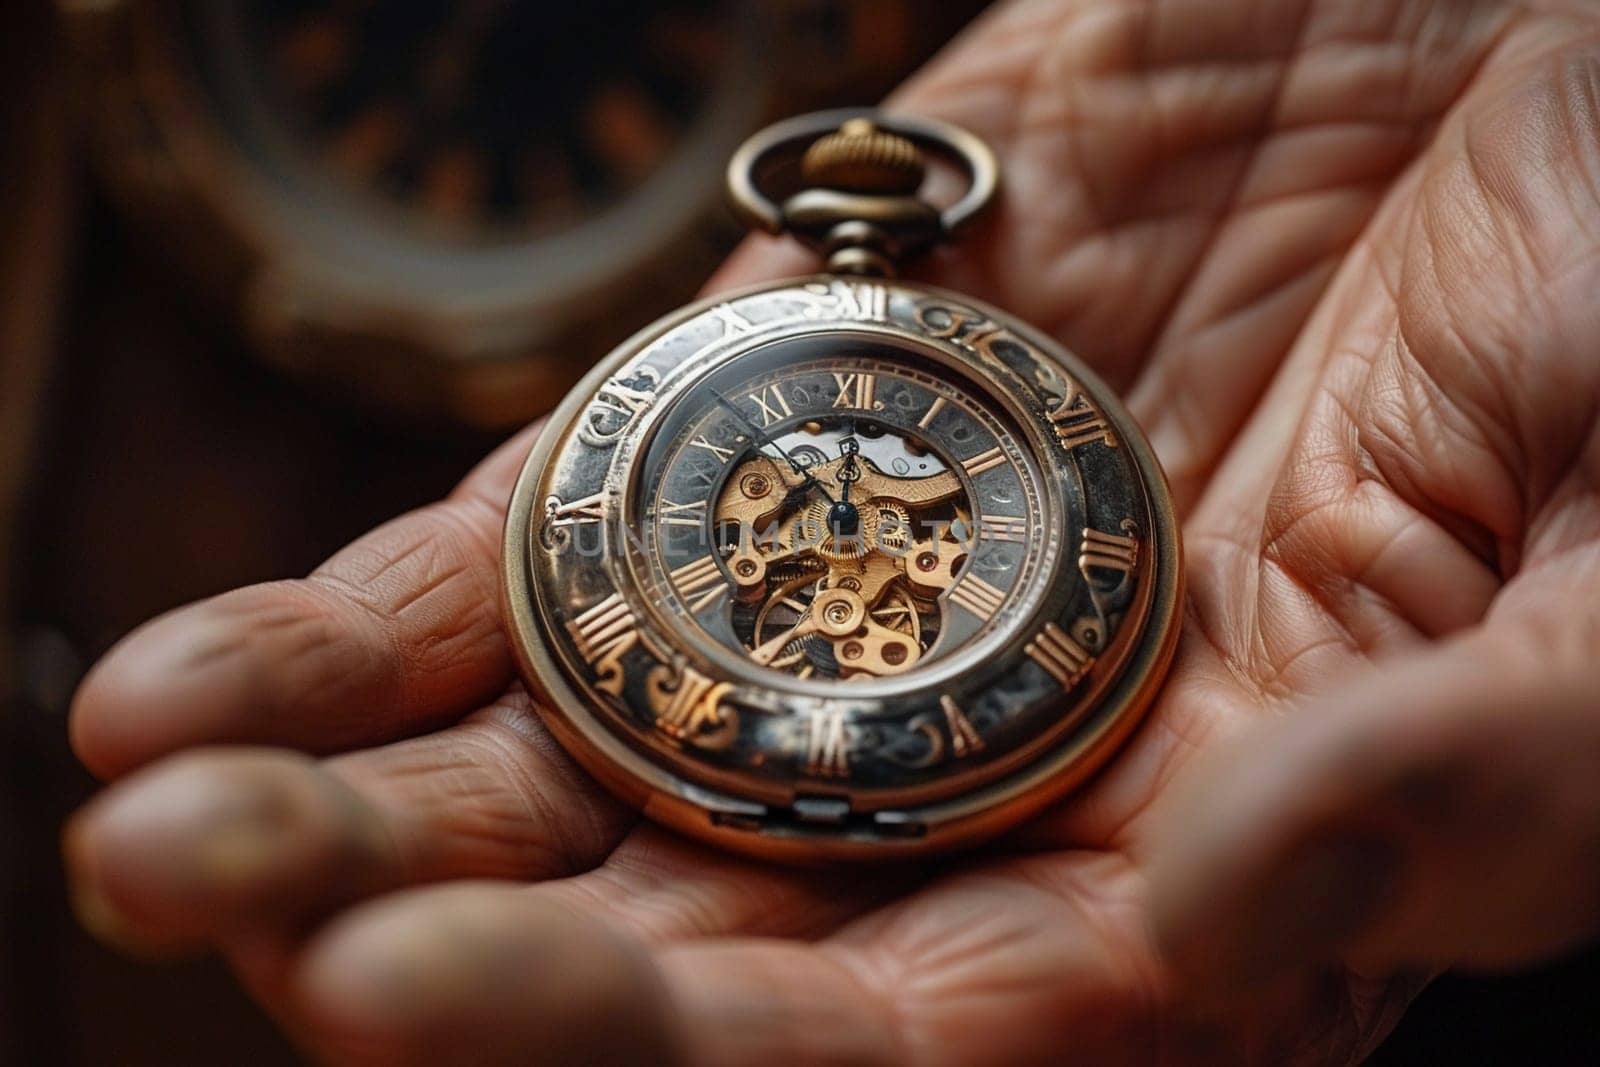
x=982 y=336
x=918 y=745
x=934 y=737
x=617 y=405
x=1076 y=418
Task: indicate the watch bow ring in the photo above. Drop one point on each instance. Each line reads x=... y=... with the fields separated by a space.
x=844 y=566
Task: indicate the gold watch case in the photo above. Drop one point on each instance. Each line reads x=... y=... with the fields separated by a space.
x=842 y=567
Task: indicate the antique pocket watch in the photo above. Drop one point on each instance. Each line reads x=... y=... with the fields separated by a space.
x=843 y=566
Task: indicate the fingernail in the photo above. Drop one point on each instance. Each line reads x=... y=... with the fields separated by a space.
x=96 y=914
x=1325 y=894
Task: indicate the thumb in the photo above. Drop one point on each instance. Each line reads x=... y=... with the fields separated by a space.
x=1442 y=811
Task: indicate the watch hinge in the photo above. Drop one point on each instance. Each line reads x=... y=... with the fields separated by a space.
x=828 y=811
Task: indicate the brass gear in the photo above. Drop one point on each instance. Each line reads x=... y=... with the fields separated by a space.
x=893 y=526
x=811 y=531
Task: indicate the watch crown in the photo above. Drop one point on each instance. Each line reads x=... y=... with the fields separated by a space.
x=862 y=158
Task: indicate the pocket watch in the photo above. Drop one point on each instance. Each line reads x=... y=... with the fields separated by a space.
x=843 y=566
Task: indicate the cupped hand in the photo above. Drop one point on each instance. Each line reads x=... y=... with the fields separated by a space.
x=1343 y=262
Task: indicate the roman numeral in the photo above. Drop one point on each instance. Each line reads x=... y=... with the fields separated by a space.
x=722 y=454
x=964 y=739
x=771 y=412
x=933 y=410
x=589 y=509
x=984 y=461
x=1109 y=551
x=1003 y=528
x=977 y=596
x=670 y=514
x=1078 y=422
x=603 y=635
x=1059 y=654
x=860 y=300
x=693 y=577
x=690 y=709
x=827 y=745
x=856 y=391
x=847 y=300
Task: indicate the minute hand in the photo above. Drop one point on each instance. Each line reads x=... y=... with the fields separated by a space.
x=765 y=438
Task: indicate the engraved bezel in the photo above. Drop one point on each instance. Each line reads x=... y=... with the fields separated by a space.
x=804 y=769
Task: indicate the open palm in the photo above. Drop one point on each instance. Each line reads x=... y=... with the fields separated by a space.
x=1342 y=261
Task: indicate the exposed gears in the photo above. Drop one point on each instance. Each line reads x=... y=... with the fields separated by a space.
x=798 y=573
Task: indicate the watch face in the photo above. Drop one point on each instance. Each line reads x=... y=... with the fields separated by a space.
x=841 y=565
x=814 y=508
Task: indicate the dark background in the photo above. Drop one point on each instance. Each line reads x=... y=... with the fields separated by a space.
x=146 y=459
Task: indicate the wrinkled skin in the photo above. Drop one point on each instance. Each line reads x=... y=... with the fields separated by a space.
x=1343 y=261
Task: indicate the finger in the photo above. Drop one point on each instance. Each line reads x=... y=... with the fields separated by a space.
x=489 y=974
x=398 y=632
x=216 y=840
x=986 y=968
x=232 y=845
x=1442 y=812
x=479 y=974
x=223 y=845
x=405 y=979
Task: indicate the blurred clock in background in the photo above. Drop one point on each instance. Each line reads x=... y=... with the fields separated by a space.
x=449 y=208
x=479 y=120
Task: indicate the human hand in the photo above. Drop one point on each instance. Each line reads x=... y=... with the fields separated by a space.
x=1341 y=260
